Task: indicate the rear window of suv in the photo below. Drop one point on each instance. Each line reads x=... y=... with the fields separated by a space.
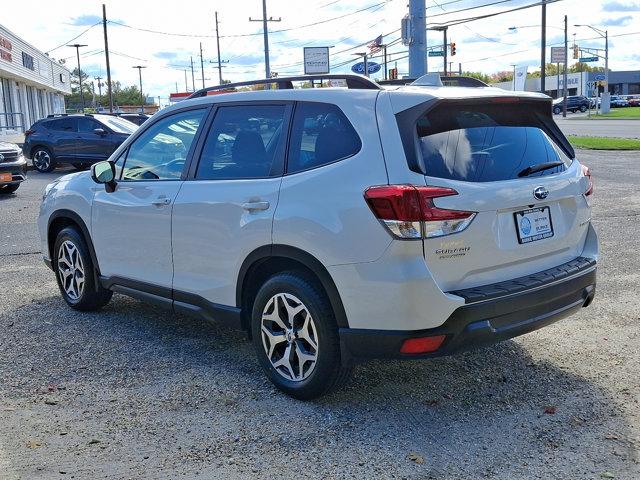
x=484 y=143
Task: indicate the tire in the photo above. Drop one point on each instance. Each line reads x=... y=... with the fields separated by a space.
x=42 y=160
x=75 y=272
x=583 y=108
x=7 y=189
x=557 y=110
x=322 y=367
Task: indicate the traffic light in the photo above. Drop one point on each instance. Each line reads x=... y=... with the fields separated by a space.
x=393 y=73
x=576 y=51
x=453 y=48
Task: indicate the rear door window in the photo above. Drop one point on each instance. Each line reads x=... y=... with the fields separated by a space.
x=245 y=141
x=62 y=125
x=321 y=134
x=484 y=143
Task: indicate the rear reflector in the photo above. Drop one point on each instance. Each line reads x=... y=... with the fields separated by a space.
x=408 y=211
x=422 y=344
x=587 y=173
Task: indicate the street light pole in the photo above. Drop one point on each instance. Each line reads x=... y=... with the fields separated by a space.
x=77 y=47
x=605 y=105
x=514 y=76
x=564 y=77
x=140 y=67
x=543 y=47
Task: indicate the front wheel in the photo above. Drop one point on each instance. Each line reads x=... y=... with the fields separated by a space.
x=295 y=337
x=583 y=108
x=42 y=160
x=9 y=188
x=557 y=110
x=75 y=272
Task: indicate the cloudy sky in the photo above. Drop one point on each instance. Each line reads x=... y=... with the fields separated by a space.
x=163 y=36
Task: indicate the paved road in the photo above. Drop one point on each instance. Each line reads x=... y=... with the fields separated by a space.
x=136 y=392
x=578 y=124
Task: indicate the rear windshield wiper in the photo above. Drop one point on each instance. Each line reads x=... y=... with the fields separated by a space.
x=539 y=167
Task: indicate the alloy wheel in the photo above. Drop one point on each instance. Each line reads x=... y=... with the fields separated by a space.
x=289 y=337
x=71 y=270
x=42 y=160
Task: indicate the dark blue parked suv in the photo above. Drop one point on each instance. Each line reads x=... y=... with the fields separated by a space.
x=76 y=139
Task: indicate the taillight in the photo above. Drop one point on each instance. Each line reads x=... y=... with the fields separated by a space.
x=29 y=132
x=409 y=212
x=587 y=173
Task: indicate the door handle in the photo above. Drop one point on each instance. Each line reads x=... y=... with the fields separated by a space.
x=161 y=201
x=252 y=206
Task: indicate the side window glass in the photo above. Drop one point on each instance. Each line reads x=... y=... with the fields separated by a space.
x=243 y=142
x=87 y=125
x=62 y=125
x=321 y=134
x=160 y=152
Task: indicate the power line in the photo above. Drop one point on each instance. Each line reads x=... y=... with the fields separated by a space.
x=191 y=35
x=74 y=38
x=488 y=15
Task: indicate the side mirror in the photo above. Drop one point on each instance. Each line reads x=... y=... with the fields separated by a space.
x=99 y=131
x=104 y=173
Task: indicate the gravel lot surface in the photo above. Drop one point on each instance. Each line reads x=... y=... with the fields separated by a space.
x=135 y=392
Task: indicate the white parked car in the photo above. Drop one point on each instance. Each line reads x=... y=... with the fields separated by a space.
x=336 y=224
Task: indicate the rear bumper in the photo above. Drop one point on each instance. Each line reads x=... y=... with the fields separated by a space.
x=491 y=314
x=17 y=169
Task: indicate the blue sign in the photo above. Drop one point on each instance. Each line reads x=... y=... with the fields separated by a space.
x=372 y=67
x=599 y=77
x=588 y=59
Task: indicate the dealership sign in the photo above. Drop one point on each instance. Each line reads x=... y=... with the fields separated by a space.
x=558 y=55
x=316 y=60
x=372 y=67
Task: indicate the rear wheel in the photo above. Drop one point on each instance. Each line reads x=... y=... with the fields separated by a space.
x=295 y=337
x=75 y=272
x=583 y=108
x=9 y=188
x=42 y=160
x=557 y=110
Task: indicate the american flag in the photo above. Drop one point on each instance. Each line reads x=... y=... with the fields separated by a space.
x=375 y=46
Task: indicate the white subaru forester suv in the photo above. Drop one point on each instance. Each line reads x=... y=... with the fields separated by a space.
x=335 y=224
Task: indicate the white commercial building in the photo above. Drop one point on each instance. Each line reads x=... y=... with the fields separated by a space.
x=32 y=86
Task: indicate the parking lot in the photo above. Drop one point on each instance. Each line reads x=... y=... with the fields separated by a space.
x=134 y=391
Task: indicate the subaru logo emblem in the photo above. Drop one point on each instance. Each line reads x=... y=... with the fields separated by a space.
x=540 y=193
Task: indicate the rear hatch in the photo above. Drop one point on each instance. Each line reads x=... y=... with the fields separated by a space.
x=510 y=164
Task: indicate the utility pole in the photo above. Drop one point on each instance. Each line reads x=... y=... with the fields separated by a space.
x=99 y=85
x=445 y=48
x=77 y=47
x=140 y=67
x=564 y=77
x=543 y=47
x=201 y=64
x=193 y=77
x=418 y=44
x=460 y=68
x=218 y=45
x=264 y=20
x=106 y=54
x=186 y=84
x=386 y=72
x=514 y=76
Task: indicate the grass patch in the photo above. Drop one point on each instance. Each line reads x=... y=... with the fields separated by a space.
x=604 y=143
x=627 y=113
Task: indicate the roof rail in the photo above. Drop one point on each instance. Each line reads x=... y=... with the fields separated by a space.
x=286 y=83
x=449 y=81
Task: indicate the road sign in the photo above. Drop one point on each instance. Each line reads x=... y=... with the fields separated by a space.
x=372 y=67
x=557 y=55
x=436 y=53
x=599 y=77
x=316 y=60
x=588 y=59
